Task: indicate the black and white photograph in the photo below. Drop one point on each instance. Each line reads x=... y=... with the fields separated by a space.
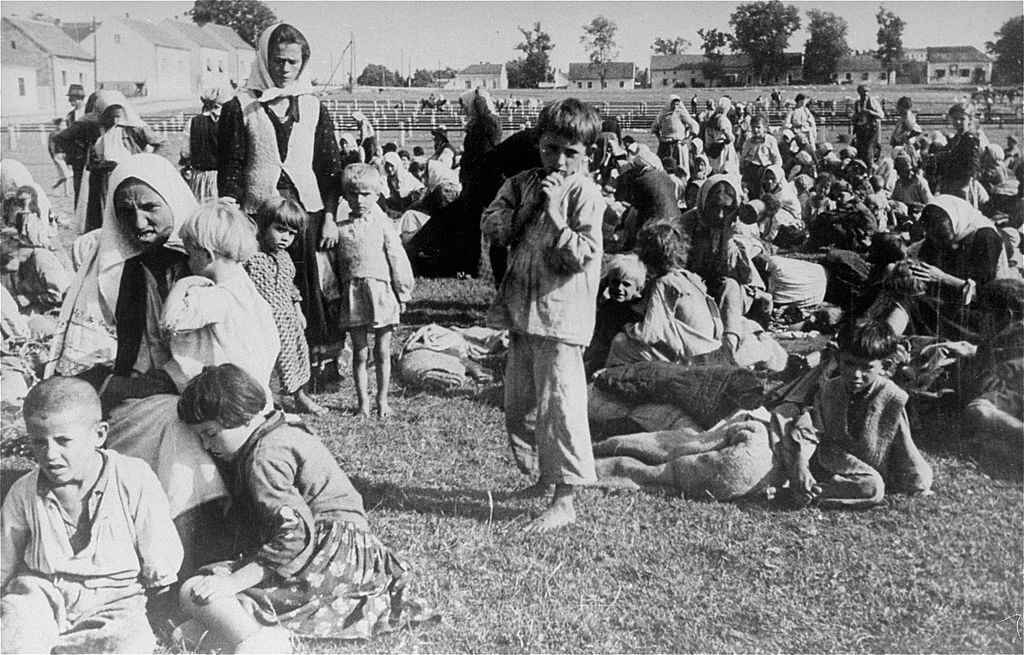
x=512 y=326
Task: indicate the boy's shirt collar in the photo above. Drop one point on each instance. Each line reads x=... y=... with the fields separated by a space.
x=90 y=499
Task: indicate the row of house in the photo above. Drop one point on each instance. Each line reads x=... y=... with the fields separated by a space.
x=940 y=65
x=170 y=60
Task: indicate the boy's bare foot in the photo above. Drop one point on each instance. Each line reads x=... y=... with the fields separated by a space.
x=306 y=405
x=561 y=512
x=363 y=410
x=535 y=490
x=383 y=409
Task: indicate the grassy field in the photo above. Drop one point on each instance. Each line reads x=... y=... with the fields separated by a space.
x=654 y=573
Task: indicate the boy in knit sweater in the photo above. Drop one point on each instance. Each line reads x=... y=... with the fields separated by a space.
x=856 y=442
x=550 y=218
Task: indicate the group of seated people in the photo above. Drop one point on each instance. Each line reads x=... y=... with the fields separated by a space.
x=695 y=274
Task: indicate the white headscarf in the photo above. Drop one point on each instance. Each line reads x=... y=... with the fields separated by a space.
x=260 y=79
x=110 y=97
x=87 y=315
x=966 y=219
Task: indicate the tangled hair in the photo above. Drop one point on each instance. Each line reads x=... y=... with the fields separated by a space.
x=886 y=248
x=904 y=104
x=281 y=210
x=626 y=267
x=286 y=34
x=758 y=120
x=33 y=204
x=225 y=393
x=570 y=119
x=867 y=338
x=360 y=176
x=662 y=248
x=220 y=228
x=1004 y=294
x=62 y=395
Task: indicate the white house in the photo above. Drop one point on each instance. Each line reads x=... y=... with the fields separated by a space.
x=18 y=77
x=240 y=54
x=680 y=71
x=57 y=60
x=617 y=75
x=863 y=69
x=962 y=64
x=140 y=58
x=489 y=76
x=208 y=61
x=560 y=81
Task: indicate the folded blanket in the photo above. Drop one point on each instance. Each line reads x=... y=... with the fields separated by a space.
x=431 y=370
x=706 y=393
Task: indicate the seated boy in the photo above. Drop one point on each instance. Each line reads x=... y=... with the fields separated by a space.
x=856 y=443
x=83 y=536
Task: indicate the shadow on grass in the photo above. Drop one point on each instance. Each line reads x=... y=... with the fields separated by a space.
x=446 y=312
x=473 y=504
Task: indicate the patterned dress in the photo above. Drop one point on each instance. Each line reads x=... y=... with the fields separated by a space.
x=274 y=275
x=296 y=513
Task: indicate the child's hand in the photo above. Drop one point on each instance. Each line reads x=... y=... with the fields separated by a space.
x=302 y=317
x=551 y=186
x=401 y=308
x=213 y=587
x=805 y=483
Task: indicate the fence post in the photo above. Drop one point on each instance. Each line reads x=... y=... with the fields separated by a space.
x=42 y=134
x=12 y=136
x=401 y=135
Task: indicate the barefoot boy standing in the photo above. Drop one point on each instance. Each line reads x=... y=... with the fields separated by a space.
x=550 y=219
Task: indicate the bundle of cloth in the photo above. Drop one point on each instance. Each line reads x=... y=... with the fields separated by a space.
x=734 y=458
x=653 y=396
x=442 y=359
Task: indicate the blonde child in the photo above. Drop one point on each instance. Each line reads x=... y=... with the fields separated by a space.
x=307 y=562
x=216 y=315
x=550 y=218
x=279 y=220
x=374 y=278
x=85 y=536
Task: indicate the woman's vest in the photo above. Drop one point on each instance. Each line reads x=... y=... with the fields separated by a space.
x=263 y=165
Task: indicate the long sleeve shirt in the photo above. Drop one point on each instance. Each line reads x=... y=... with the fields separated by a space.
x=763 y=151
x=282 y=481
x=131 y=541
x=370 y=247
x=550 y=286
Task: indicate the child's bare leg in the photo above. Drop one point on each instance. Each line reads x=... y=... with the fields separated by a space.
x=382 y=355
x=360 y=353
x=307 y=405
x=559 y=513
x=225 y=616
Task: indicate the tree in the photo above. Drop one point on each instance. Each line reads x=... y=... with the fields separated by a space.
x=247 y=17
x=826 y=45
x=890 y=39
x=712 y=42
x=599 y=40
x=536 y=65
x=1008 y=50
x=379 y=75
x=761 y=30
x=423 y=77
x=676 y=46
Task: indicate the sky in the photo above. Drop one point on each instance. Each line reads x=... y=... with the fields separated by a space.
x=405 y=35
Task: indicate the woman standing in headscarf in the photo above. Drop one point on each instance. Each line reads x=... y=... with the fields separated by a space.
x=277 y=139
x=403 y=187
x=115 y=132
x=674 y=128
x=720 y=142
x=199 y=149
x=483 y=133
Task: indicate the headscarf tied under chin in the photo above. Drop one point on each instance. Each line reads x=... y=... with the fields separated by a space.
x=260 y=79
x=86 y=324
x=966 y=219
x=478 y=103
x=705 y=189
x=668 y=106
x=645 y=158
x=115 y=247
